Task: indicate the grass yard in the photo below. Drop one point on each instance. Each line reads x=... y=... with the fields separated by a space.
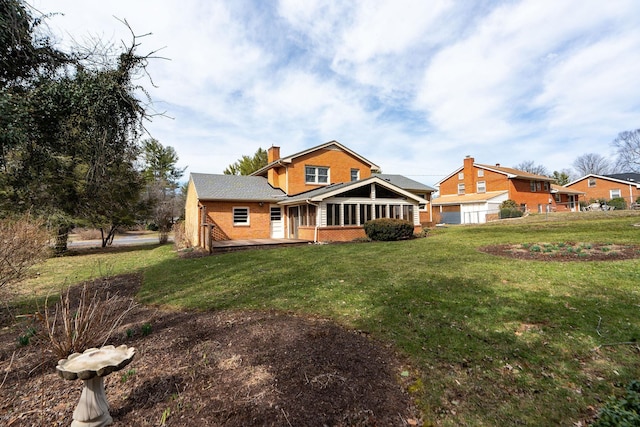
x=490 y=340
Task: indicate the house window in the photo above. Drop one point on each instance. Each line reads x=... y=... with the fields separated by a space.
x=355 y=174
x=558 y=198
x=316 y=175
x=423 y=206
x=546 y=186
x=592 y=182
x=480 y=173
x=333 y=214
x=481 y=187
x=381 y=211
x=240 y=216
x=615 y=193
x=460 y=188
x=533 y=186
x=276 y=214
x=537 y=186
x=396 y=211
x=461 y=175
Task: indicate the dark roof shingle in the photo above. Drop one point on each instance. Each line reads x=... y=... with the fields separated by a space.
x=234 y=187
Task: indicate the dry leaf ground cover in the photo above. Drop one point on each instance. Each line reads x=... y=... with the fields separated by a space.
x=232 y=368
x=469 y=337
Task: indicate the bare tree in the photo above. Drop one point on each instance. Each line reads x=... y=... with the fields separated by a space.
x=627 y=145
x=592 y=163
x=23 y=243
x=531 y=167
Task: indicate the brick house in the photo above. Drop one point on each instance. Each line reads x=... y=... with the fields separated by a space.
x=325 y=193
x=607 y=187
x=473 y=193
x=566 y=199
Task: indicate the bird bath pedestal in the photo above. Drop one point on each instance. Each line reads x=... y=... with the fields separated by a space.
x=91 y=367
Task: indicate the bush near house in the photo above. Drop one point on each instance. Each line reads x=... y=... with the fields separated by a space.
x=618 y=203
x=510 y=209
x=388 y=229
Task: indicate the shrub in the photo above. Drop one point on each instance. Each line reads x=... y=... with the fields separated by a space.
x=388 y=229
x=510 y=209
x=510 y=213
x=621 y=412
x=618 y=203
x=24 y=242
x=509 y=204
x=180 y=239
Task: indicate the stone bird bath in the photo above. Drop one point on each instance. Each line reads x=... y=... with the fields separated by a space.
x=92 y=366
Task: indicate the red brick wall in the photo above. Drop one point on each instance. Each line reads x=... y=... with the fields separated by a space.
x=493 y=181
x=340 y=234
x=521 y=193
x=602 y=190
x=221 y=213
x=344 y=234
x=306 y=233
x=339 y=162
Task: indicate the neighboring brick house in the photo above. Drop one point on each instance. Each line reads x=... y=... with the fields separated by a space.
x=325 y=193
x=566 y=199
x=607 y=187
x=473 y=193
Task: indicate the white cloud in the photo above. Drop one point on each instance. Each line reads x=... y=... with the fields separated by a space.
x=411 y=85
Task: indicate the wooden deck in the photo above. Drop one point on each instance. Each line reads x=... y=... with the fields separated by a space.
x=235 y=245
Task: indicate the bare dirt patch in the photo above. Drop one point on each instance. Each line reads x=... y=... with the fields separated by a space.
x=566 y=251
x=217 y=369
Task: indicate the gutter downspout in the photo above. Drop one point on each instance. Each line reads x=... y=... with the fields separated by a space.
x=315 y=231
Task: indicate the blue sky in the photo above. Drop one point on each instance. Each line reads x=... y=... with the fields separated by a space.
x=413 y=86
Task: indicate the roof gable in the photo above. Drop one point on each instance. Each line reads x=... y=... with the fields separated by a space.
x=619 y=178
x=335 y=190
x=510 y=173
x=327 y=145
x=514 y=173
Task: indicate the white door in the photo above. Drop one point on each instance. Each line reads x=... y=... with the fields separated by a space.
x=277 y=226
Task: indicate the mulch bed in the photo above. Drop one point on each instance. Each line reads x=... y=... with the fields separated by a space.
x=556 y=252
x=228 y=368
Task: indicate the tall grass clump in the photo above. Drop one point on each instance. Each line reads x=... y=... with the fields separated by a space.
x=73 y=326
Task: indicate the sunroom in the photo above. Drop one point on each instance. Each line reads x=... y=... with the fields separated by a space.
x=337 y=212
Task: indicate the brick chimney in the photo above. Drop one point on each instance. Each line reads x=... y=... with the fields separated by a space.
x=469 y=175
x=273 y=154
x=468 y=164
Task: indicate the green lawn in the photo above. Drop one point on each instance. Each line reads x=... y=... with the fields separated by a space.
x=490 y=341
